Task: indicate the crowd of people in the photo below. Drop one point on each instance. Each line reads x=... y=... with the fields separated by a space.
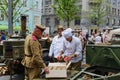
x=94 y=38
x=5 y=36
x=66 y=47
x=99 y=38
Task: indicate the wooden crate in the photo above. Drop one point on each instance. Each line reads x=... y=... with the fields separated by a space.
x=57 y=70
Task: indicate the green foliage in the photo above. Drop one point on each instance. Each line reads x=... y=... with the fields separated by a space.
x=66 y=10
x=6 y=28
x=18 y=8
x=98 y=11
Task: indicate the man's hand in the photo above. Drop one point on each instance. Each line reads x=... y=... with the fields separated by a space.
x=67 y=59
x=46 y=70
x=59 y=57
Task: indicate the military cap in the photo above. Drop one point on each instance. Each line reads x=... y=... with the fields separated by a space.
x=40 y=26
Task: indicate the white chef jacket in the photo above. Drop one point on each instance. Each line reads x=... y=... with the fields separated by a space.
x=98 y=39
x=56 y=46
x=73 y=47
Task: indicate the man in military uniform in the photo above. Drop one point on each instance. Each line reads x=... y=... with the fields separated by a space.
x=32 y=60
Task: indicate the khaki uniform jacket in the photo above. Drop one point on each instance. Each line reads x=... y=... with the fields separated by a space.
x=33 y=53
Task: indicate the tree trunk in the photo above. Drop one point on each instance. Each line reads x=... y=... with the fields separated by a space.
x=10 y=17
x=68 y=23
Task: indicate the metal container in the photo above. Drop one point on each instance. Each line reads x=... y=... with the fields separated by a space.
x=45 y=43
x=18 y=51
x=104 y=63
x=9 y=47
x=103 y=55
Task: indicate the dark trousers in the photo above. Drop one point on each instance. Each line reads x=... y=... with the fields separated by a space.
x=75 y=66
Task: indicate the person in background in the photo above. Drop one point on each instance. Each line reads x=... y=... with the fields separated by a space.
x=56 y=45
x=106 y=37
x=8 y=36
x=45 y=35
x=32 y=60
x=87 y=36
x=72 y=50
x=0 y=37
x=92 y=38
x=15 y=34
x=83 y=40
x=98 y=39
x=3 y=37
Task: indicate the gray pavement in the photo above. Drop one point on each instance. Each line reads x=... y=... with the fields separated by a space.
x=7 y=77
x=14 y=77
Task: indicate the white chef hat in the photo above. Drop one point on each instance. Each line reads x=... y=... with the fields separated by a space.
x=67 y=33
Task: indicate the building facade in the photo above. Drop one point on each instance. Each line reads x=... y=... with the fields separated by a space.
x=49 y=19
x=111 y=19
x=31 y=9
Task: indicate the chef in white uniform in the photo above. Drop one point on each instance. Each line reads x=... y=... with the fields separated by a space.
x=72 y=50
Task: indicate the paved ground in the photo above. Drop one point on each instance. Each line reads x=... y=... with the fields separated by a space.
x=14 y=77
x=4 y=77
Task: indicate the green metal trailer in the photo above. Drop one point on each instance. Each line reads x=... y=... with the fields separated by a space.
x=104 y=61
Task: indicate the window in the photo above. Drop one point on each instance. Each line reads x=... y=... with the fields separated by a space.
x=113 y=21
x=49 y=10
x=113 y=10
x=94 y=20
x=118 y=11
x=57 y=22
x=119 y=22
x=47 y=22
x=108 y=9
x=77 y=22
x=95 y=31
x=107 y=21
x=114 y=2
x=36 y=19
x=25 y=3
x=46 y=2
x=50 y=1
x=91 y=31
x=119 y=4
x=54 y=10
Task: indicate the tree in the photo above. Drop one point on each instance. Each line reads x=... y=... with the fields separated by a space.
x=17 y=6
x=66 y=10
x=98 y=11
